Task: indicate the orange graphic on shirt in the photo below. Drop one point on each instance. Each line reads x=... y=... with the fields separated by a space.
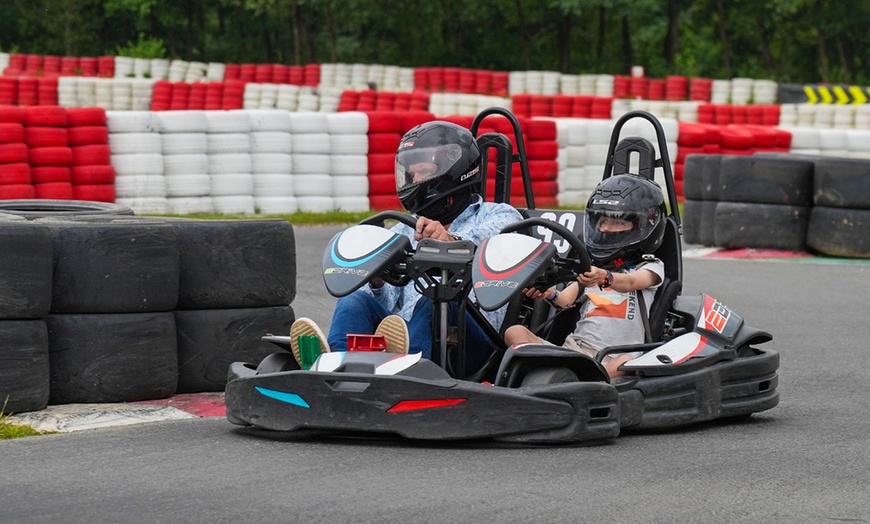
x=604 y=307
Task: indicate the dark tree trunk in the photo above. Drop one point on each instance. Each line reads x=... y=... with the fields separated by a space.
x=723 y=38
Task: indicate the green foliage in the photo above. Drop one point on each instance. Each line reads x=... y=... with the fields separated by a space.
x=143 y=48
x=784 y=40
x=10 y=431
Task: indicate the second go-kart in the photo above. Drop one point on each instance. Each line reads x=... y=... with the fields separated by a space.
x=701 y=361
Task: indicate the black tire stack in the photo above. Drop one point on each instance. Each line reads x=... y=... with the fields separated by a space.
x=758 y=201
x=238 y=278
x=840 y=220
x=97 y=305
x=25 y=298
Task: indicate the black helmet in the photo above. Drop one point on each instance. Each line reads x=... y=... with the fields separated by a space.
x=437 y=169
x=634 y=199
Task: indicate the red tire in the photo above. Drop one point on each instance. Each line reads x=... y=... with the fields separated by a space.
x=17 y=192
x=95 y=192
x=382 y=184
x=93 y=174
x=385 y=122
x=96 y=154
x=49 y=174
x=384 y=142
x=542 y=170
x=84 y=135
x=43 y=136
x=86 y=116
x=13 y=153
x=18 y=173
x=382 y=163
x=542 y=150
x=50 y=156
x=54 y=191
x=385 y=202
x=11 y=133
x=540 y=130
x=45 y=116
x=11 y=114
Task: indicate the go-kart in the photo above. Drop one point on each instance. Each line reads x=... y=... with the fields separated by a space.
x=699 y=362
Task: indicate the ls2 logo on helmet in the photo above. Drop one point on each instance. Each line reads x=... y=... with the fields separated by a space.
x=468 y=175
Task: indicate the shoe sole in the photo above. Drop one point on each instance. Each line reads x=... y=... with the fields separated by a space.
x=395 y=332
x=305 y=327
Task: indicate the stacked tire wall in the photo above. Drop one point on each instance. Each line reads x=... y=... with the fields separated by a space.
x=98 y=305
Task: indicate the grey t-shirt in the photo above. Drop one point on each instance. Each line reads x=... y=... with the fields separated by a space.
x=610 y=318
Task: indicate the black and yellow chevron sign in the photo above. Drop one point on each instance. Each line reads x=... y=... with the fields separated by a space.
x=836 y=94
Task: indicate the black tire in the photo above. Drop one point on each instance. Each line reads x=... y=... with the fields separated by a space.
x=229 y=264
x=710 y=187
x=26 y=259
x=277 y=362
x=707 y=227
x=839 y=232
x=692 y=211
x=549 y=375
x=767 y=180
x=37 y=208
x=693 y=176
x=114 y=266
x=122 y=357
x=761 y=226
x=24 y=369
x=209 y=340
x=842 y=182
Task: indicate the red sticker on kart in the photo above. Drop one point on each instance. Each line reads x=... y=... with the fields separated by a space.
x=715 y=315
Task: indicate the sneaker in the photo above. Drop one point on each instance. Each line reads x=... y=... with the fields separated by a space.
x=306 y=327
x=395 y=332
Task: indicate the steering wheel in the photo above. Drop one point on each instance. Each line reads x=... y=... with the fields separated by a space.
x=565 y=269
x=396 y=275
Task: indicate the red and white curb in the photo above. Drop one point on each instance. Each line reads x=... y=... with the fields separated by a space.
x=76 y=417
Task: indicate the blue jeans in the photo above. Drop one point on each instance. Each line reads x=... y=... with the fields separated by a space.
x=361 y=313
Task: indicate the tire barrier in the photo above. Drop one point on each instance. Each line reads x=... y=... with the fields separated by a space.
x=840 y=218
x=108 y=307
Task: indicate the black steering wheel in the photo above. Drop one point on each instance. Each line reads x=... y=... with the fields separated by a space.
x=397 y=274
x=566 y=268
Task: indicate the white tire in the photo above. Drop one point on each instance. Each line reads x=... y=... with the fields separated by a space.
x=271 y=163
x=222 y=164
x=228 y=121
x=140 y=186
x=183 y=121
x=190 y=205
x=352 y=204
x=351 y=122
x=274 y=184
x=276 y=205
x=348 y=165
x=313 y=143
x=349 y=144
x=271 y=142
x=270 y=120
x=350 y=186
x=223 y=143
x=132 y=122
x=145 y=205
x=188 y=185
x=185 y=165
x=184 y=143
x=316 y=204
x=232 y=184
x=234 y=204
x=135 y=143
x=305 y=164
x=313 y=185
x=308 y=122
x=138 y=164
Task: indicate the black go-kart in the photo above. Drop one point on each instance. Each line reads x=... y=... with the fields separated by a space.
x=700 y=361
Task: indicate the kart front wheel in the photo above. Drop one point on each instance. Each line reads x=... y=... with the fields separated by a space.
x=549 y=375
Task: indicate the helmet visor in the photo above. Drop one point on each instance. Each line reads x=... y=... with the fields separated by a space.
x=607 y=229
x=416 y=166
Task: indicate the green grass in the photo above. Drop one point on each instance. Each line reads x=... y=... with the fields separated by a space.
x=10 y=431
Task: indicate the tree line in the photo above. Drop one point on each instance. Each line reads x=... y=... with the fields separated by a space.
x=801 y=41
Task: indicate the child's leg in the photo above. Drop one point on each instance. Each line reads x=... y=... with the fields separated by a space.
x=520 y=335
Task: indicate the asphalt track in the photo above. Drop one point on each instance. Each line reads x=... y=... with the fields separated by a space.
x=807 y=460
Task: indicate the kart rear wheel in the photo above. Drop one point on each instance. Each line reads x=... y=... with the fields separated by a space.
x=549 y=375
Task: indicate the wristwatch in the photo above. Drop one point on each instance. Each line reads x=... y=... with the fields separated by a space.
x=608 y=280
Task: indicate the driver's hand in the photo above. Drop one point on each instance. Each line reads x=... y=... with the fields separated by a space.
x=375 y=283
x=427 y=228
x=537 y=294
x=594 y=277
